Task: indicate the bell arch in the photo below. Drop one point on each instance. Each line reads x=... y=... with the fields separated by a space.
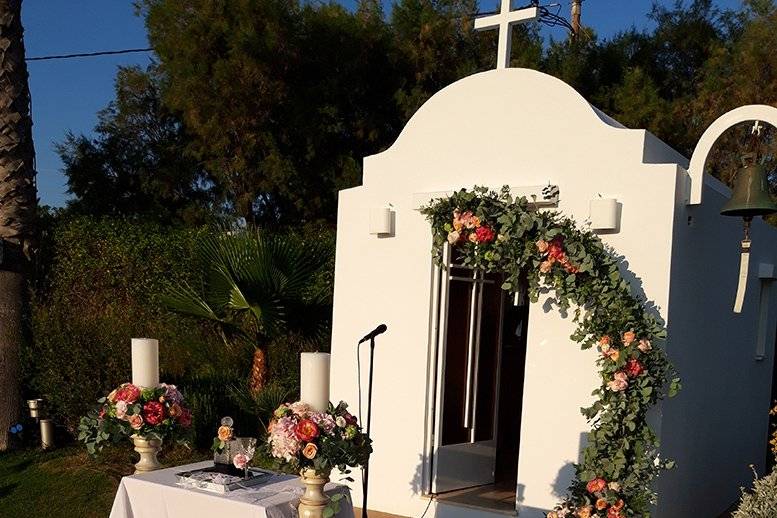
x=748 y=113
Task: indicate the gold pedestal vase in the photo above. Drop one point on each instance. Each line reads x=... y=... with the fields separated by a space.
x=314 y=501
x=147 y=448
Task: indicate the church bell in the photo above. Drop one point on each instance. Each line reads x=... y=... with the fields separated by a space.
x=750 y=196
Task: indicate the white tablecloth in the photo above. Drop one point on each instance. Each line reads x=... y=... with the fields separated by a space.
x=156 y=495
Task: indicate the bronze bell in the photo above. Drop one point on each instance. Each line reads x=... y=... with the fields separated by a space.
x=750 y=196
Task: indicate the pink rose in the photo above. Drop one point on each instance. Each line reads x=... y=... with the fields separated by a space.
x=619 y=383
x=454 y=237
x=185 y=419
x=240 y=461
x=135 y=421
x=644 y=345
x=121 y=409
x=629 y=337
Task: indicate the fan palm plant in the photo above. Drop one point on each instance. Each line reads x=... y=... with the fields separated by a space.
x=255 y=287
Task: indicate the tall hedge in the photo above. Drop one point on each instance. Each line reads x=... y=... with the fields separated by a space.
x=101 y=284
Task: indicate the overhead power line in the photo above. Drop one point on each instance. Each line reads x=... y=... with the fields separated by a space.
x=88 y=54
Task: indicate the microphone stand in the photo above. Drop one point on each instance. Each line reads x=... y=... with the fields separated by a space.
x=366 y=472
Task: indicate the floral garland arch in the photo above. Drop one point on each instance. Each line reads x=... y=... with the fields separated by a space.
x=497 y=233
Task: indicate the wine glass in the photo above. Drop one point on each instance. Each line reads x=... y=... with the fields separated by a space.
x=246 y=447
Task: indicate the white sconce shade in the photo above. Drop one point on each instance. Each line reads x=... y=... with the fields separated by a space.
x=604 y=214
x=381 y=221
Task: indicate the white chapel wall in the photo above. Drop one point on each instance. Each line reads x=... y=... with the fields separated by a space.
x=515 y=127
x=717 y=426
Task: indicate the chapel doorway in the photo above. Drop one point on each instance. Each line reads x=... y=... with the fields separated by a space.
x=480 y=358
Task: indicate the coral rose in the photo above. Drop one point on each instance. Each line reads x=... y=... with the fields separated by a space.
x=472 y=238
x=601 y=503
x=612 y=512
x=596 y=485
x=309 y=451
x=634 y=368
x=542 y=246
x=605 y=340
x=153 y=412
x=306 y=430
x=175 y=410
x=485 y=234
x=629 y=337
x=585 y=512
x=569 y=267
x=545 y=266
x=224 y=433
x=135 y=421
x=618 y=505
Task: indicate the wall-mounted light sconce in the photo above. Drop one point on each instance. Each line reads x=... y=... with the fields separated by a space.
x=604 y=214
x=382 y=221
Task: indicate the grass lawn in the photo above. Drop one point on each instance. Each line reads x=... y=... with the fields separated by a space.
x=68 y=483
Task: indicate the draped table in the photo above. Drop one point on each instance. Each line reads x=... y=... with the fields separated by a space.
x=156 y=495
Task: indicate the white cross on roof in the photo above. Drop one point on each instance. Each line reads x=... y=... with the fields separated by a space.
x=504 y=21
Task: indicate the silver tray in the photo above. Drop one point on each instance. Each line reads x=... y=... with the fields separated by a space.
x=220 y=479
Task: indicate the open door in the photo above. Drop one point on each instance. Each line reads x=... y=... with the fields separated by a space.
x=469 y=350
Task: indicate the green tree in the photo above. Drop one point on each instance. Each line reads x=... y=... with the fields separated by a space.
x=436 y=45
x=137 y=164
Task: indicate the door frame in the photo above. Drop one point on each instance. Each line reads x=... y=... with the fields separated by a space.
x=439 y=282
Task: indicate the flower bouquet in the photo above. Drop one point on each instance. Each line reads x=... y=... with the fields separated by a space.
x=313 y=443
x=147 y=415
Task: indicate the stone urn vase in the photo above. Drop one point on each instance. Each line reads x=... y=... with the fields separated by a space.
x=147 y=448
x=313 y=502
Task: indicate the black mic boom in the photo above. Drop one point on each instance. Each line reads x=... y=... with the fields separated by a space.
x=375 y=332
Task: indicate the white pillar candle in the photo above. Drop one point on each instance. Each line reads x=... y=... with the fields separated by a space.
x=145 y=362
x=314 y=380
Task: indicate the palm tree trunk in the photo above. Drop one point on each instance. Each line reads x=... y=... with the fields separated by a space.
x=258 y=379
x=18 y=200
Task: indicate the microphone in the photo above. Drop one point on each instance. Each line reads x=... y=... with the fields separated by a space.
x=375 y=332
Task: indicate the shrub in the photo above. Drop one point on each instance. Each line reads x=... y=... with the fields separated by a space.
x=101 y=286
x=761 y=502
x=100 y=283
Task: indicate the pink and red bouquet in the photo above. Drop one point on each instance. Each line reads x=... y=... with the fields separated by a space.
x=129 y=410
x=467 y=227
x=300 y=437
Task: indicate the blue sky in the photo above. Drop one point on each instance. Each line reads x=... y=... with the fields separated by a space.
x=67 y=94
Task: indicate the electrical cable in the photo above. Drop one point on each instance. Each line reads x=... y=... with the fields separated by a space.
x=88 y=54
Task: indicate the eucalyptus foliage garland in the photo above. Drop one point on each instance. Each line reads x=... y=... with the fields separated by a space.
x=496 y=233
